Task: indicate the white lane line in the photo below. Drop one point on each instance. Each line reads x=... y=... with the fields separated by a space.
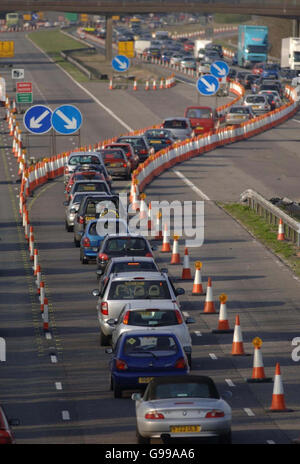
x=296 y=120
x=48 y=336
x=271 y=442
x=58 y=385
x=53 y=359
x=229 y=382
x=198 y=333
x=249 y=412
x=213 y=356
x=191 y=185
x=65 y=415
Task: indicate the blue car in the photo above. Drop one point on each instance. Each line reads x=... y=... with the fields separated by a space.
x=95 y=231
x=138 y=357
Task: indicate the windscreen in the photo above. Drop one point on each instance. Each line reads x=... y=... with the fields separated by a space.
x=200 y=113
x=175 y=124
x=182 y=390
x=139 y=290
x=120 y=244
x=153 y=318
x=162 y=345
x=88 y=159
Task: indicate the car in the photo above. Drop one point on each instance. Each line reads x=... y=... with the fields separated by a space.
x=241 y=76
x=237 y=114
x=188 y=62
x=181 y=407
x=139 y=144
x=151 y=52
x=71 y=208
x=248 y=80
x=202 y=118
x=97 y=168
x=126 y=264
x=273 y=98
x=258 y=68
x=115 y=245
x=176 y=58
x=275 y=85
x=129 y=153
x=211 y=56
x=82 y=175
x=217 y=48
x=6 y=433
x=160 y=138
x=154 y=320
x=189 y=45
x=234 y=59
x=258 y=103
x=232 y=73
x=93 y=207
x=116 y=162
x=99 y=186
x=179 y=126
x=94 y=233
x=140 y=288
x=79 y=157
x=139 y=357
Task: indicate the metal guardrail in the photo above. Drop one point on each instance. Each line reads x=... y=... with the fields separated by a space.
x=272 y=214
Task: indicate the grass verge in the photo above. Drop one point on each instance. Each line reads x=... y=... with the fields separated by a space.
x=264 y=232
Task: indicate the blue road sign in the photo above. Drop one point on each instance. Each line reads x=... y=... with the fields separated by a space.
x=207 y=84
x=219 y=69
x=66 y=119
x=34 y=16
x=120 y=63
x=37 y=119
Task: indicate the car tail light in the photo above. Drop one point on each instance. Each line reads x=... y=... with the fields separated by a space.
x=102 y=256
x=143 y=152
x=125 y=165
x=128 y=155
x=215 y=413
x=126 y=318
x=104 y=308
x=180 y=364
x=66 y=170
x=149 y=255
x=5 y=437
x=86 y=242
x=80 y=219
x=154 y=415
x=121 y=365
x=178 y=317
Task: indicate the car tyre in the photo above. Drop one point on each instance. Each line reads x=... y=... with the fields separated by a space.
x=117 y=390
x=226 y=438
x=68 y=228
x=76 y=243
x=104 y=339
x=189 y=358
x=142 y=440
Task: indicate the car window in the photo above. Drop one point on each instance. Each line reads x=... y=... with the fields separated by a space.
x=98 y=228
x=109 y=155
x=130 y=244
x=152 y=318
x=90 y=187
x=183 y=390
x=135 y=142
x=161 y=345
x=139 y=290
x=239 y=110
x=199 y=113
x=175 y=124
x=88 y=159
x=255 y=99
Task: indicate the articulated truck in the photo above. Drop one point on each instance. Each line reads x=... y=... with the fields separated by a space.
x=290 y=53
x=252 y=45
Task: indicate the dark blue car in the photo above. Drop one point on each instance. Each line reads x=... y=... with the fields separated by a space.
x=138 y=357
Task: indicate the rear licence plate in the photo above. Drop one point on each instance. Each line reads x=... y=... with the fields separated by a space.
x=185 y=428
x=200 y=127
x=255 y=107
x=145 y=379
x=89 y=218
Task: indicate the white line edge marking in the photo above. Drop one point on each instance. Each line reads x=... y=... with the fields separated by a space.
x=271 y=442
x=65 y=415
x=191 y=185
x=249 y=412
x=229 y=382
x=213 y=356
x=53 y=359
x=58 y=385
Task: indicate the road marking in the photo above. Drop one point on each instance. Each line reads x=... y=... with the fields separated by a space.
x=198 y=333
x=271 y=442
x=229 y=382
x=58 y=385
x=53 y=359
x=191 y=185
x=249 y=412
x=213 y=356
x=65 y=415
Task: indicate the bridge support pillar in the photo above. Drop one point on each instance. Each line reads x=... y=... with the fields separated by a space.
x=296 y=27
x=108 y=40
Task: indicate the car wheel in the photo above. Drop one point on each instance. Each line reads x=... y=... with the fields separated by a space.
x=111 y=384
x=117 y=391
x=225 y=438
x=68 y=228
x=104 y=339
x=83 y=259
x=189 y=358
x=76 y=243
x=142 y=440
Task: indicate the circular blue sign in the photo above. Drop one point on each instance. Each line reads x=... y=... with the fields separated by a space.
x=120 y=63
x=219 y=69
x=37 y=119
x=208 y=84
x=66 y=119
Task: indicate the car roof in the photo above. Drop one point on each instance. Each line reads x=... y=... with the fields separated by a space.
x=126 y=235
x=83 y=153
x=183 y=379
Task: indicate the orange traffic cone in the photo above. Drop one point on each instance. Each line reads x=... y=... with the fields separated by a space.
x=166 y=244
x=209 y=306
x=135 y=85
x=197 y=287
x=258 y=371
x=280 y=235
x=147 y=85
x=186 y=271
x=237 y=344
x=143 y=206
x=175 y=258
x=110 y=84
x=161 y=85
x=135 y=202
x=159 y=235
x=223 y=325
x=278 y=402
x=149 y=217
x=154 y=85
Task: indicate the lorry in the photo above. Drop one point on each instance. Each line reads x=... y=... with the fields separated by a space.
x=290 y=53
x=12 y=20
x=141 y=45
x=199 y=48
x=252 y=45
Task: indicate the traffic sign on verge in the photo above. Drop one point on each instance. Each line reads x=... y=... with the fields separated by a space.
x=37 y=119
x=120 y=63
x=219 y=69
x=207 y=84
x=17 y=73
x=126 y=48
x=66 y=119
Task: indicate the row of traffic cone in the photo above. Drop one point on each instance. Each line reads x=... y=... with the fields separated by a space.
x=163 y=84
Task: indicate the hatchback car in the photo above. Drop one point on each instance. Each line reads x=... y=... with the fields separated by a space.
x=160 y=138
x=238 y=114
x=180 y=127
x=116 y=162
x=139 y=357
x=82 y=175
x=182 y=407
x=94 y=186
x=258 y=103
x=126 y=264
x=71 y=208
x=150 y=288
x=94 y=233
x=139 y=144
x=274 y=98
x=79 y=158
x=153 y=320
x=202 y=118
x=97 y=168
x=129 y=153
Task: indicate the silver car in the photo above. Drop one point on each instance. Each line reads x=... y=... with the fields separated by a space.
x=182 y=407
x=180 y=127
x=150 y=288
x=79 y=158
x=238 y=114
x=258 y=103
x=153 y=319
x=94 y=186
x=71 y=209
x=127 y=264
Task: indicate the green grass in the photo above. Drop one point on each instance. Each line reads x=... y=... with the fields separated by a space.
x=265 y=233
x=53 y=42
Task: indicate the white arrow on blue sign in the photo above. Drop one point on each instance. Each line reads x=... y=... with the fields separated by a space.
x=120 y=63
x=219 y=69
x=66 y=119
x=207 y=84
x=37 y=119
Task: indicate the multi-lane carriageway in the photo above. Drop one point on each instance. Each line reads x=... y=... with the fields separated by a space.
x=57 y=385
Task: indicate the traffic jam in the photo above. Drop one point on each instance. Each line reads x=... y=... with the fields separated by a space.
x=143 y=327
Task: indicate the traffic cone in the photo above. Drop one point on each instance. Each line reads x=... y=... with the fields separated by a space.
x=135 y=85
x=14 y=107
x=161 y=85
x=209 y=306
x=42 y=294
x=35 y=261
x=143 y=206
x=223 y=324
x=237 y=344
x=147 y=85
x=135 y=201
x=46 y=315
x=186 y=271
x=278 y=402
x=38 y=278
x=149 y=224
x=166 y=244
x=110 y=84
x=159 y=235
x=280 y=235
x=175 y=258
x=197 y=287
x=154 y=85
x=258 y=371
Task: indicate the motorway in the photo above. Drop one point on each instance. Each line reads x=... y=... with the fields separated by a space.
x=58 y=387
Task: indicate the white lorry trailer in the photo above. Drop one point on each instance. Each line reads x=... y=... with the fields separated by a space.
x=199 y=47
x=290 y=53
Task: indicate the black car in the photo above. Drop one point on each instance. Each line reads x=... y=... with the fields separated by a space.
x=159 y=138
x=139 y=144
x=114 y=246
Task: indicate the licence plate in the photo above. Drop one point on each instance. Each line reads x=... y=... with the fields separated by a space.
x=94 y=249
x=155 y=141
x=145 y=379
x=185 y=428
x=199 y=127
x=255 y=107
x=89 y=218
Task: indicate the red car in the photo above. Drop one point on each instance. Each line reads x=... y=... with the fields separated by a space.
x=258 y=68
x=82 y=175
x=202 y=118
x=6 y=434
x=128 y=150
x=188 y=46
